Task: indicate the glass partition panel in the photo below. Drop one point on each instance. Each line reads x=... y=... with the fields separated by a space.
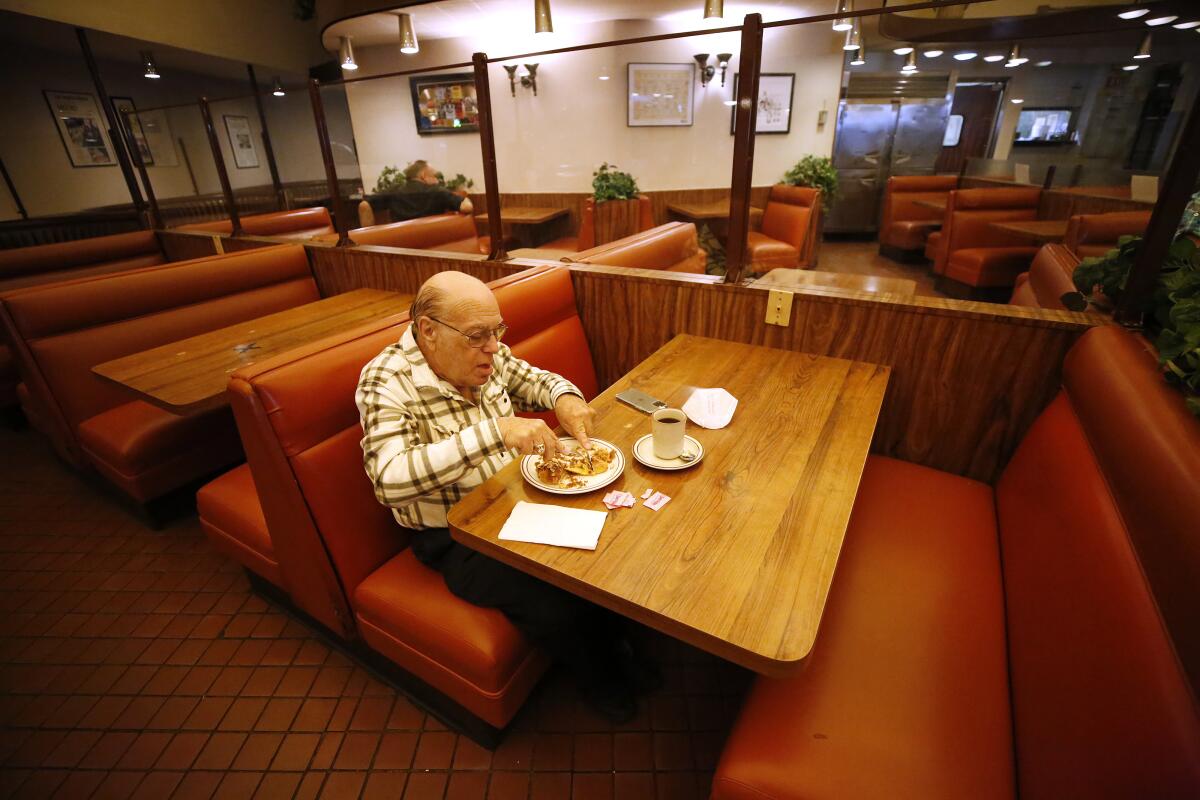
x=335 y=101
x=239 y=134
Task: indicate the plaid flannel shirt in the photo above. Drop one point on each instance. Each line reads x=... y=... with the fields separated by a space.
x=424 y=445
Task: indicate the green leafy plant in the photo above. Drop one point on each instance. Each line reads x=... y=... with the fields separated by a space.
x=609 y=183
x=816 y=172
x=459 y=181
x=1172 y=311
x=389 y=178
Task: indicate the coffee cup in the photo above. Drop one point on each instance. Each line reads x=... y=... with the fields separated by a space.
x=667 y=426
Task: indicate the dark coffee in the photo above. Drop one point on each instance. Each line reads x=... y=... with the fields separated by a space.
x=669 y=419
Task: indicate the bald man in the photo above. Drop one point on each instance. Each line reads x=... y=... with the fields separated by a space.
x=437 y=417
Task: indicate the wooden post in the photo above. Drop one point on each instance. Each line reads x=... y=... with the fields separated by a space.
x=156 y=220
x=266 y=137
x=12 y=189
x=1049 y=181
x=487 y=142
x=139 y=205
x=1176 y=191
x=745 y=120
x=339 y=215
x=219 y=160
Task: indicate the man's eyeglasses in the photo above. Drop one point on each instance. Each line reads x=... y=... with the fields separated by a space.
x=477 y=339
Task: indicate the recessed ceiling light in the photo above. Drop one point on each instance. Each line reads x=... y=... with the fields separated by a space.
x=993 y=58
x=1044 y=63
x=1017 y=100
x=902 y=51
x=1161 y=20
x=1183 y=26
x=965 y=56
x=932 y=53
x=1129 y=67
x=1134 y=13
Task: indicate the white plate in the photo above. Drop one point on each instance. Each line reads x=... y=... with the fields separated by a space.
x=643 y=451
x=590 y=482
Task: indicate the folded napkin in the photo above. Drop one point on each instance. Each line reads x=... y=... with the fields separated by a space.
x=710 y=408
x=556 y=525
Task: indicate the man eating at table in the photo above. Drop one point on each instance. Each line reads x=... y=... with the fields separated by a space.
x=437 y=417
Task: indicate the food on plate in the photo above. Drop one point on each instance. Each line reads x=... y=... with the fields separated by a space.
x=563 y=469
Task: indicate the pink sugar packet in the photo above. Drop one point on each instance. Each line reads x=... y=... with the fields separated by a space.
x=646 y=494
x=616 y=499
x=656 y=501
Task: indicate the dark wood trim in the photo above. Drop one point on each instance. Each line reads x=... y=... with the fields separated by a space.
x=266 y=138
x=487 y=142
x=12 y=189
x=219 y=161
x=746 y=112
x=131 y=145
x=335 y=196
x=187 y=162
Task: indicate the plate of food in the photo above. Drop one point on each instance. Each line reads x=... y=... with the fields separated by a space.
x=575 y=470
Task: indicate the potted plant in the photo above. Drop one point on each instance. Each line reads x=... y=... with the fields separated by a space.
x=617 y=203
x=1171 y=314
x=816 y=172
x=389 y=178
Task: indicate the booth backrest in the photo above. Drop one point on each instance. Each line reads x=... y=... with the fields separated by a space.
x=673 y=247
x=901 y=196
x=453 y=232
x=789 y=214
x=301 y=223
x=64 y=329
x=1096 y=234
x=1101 y=562
x=1048 y=279
x=25 y=266
x=970 y=212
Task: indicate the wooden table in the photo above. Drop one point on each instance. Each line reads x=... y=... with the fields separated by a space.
x=188 y=376
x=544 y=253
x=1040 y=230
x=806 y=278
x=705 y=212
x=739 y=562
x=526 y=220
x=937 y=204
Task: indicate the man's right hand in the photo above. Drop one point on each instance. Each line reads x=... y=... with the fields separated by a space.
x=467 y=206
x=524 y=436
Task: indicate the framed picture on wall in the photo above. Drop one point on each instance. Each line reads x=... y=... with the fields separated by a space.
x=445 y=103
x=774 y=102
x=660 y=95
x=127 y=114
x=81 y=126
x=159 y=139
x=241 y=141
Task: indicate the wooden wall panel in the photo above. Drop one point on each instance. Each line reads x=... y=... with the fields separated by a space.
x=341 y=269
x=179 y=246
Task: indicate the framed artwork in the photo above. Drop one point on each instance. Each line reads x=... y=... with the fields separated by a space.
x=775 y=91
x=445 y=103
x=159 y=139
x=81 y=126
x=127 y=113
x=241 y=141
x=660 y=94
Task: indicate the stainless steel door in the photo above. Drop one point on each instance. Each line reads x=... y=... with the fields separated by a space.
x=920 y=129
x=856 y=209
x=864 y=134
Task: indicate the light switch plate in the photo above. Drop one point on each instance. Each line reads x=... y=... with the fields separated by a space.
x=779 y=307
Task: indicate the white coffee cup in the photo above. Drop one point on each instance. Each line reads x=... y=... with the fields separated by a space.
x=668 y=426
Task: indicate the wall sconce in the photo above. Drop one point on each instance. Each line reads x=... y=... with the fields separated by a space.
x=528 y=80
x=707 y=71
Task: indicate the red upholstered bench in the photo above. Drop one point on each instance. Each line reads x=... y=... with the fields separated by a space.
x=61 y=330
x=1048 y=279
x=1056 y=611
x=297 y=223
x=673 y=247
x=453 y=233
x=904 y=226
x=1095 y=234
x=969 y=251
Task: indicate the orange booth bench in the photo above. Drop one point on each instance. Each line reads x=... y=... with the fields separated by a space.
x=452 y=233
x=1036 y=638
x=790 y=233
x=969 y=252
x=673 y=247
x=298 y=223
x=904 y=226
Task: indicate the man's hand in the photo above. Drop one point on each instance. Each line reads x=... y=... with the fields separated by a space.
x=466 y=207
x=524 y=436
x=576 y=417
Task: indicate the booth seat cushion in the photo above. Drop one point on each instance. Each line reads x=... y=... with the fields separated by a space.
x=8 y=378
x=905 y=693
x=932 y=244
x=765 y=253
x=453 y=233
x=142 y=448
x=299 y=222
x=78 y=253
x=989 y=266
x=673 y=247
x=233 y=520
x=911 y=234
x=86 y=271
x=1048 y=279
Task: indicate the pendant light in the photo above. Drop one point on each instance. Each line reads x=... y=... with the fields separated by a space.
x=1144 y=48
x=150 y=69
x=1154 y=23
x=714 y=9
x=346 y=53
x=860 y=55
x=1133 y=13
x=277 y=87
x=902 y=51
x=841 y=23
x=992 y=58
x=408 y=37
x=853 y=37
x=910 y=64
x=934 y=53
x=1015 y=59
x=541 y=17
x=966 y=55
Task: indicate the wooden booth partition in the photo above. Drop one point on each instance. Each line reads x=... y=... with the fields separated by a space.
x=341 y=269
x=1064 y=203
x=186 y=245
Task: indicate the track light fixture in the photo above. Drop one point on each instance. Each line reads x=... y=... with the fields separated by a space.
x=910 y=64
x=1015 y=59
x=842 y=23
x=992 y=58
x=149 y=68
x=1143 y=48
x=277 y=87
x=853 y=37
x=714 y=9
x=346 y=53
x=903 y=50
x=541 y=17
x=966 y=55
x=408 y=36
x=860 y=55
x=1133 y=13
x=1154 y=23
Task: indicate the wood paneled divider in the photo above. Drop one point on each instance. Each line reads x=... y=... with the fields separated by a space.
x=184 y=246
x=1066 y=203
x=341 y=269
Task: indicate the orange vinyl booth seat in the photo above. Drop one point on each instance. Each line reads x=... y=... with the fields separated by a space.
x=790 y=230
x=673 y=247
x=972 y=252
x=1048 y=279
x=342 y=557
x=60 y=331
x=1036 y=639
x=454 y=233
x=298 y=223
x=1095 y=234
x=904 y=226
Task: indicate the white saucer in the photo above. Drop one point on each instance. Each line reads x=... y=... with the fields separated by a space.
x=643 y=451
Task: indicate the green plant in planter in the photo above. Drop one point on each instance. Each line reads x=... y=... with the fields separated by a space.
x=389 y=178
x=459 y=181
x=816 y=172
x=1172 y=313
x=609 y=183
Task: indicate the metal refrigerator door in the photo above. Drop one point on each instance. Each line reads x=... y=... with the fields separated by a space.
x=856 y=209
x=864 y=133
x=919 y=132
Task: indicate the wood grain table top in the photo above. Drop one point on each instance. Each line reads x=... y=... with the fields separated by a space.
x=740 y=561
x=705 y=211
x=544 y=253
x=1040 y=230
x=527 y=215
x=805 y=278
x=190 y=375
x=938 y=204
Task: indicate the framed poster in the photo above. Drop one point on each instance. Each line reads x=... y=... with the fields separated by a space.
x=81 y=127
x=445 y=103
x=241 y=141
x=660 y=94
x=774 y=102
x=127 y=113
x=159 y=140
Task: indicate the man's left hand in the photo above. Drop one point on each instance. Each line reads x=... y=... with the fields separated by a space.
x=576 y=417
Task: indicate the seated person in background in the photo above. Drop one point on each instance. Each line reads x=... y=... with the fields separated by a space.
x=420 y=196
x=437 y=418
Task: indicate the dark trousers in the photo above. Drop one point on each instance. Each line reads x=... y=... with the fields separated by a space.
x=572 y=630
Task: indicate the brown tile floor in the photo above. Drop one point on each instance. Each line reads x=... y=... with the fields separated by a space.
x=137 y=663
x=850 y=257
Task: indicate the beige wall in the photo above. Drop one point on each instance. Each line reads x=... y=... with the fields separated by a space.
x=554 y=141
x=259 y=31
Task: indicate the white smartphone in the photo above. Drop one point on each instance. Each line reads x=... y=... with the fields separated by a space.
x=640 y=400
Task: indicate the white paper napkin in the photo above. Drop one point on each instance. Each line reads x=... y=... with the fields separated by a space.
x=556 y=525
x=710 y=408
